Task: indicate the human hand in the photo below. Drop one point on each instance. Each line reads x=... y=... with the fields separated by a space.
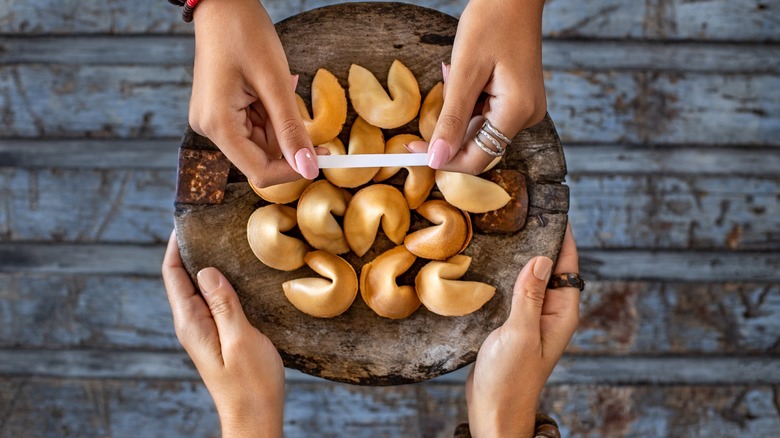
x=241 y=94
x=497 y=50
x=239 y=365
x=515 y=361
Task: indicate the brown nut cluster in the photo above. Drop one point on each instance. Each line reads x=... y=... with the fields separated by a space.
x=349 y=208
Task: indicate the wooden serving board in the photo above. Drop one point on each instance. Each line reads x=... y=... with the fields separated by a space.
x=214 y=203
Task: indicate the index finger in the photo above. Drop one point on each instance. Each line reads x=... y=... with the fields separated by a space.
x=178 y=285
x=191 y=316
x=564 y=300
x=568 y=259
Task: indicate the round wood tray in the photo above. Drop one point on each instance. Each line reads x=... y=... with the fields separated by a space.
x=214 y=202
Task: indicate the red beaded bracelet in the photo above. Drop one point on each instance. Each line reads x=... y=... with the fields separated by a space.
x=189 y=8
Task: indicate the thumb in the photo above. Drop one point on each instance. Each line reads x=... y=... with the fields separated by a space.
x=462 y=87
x=223 y=303
x=529 y=292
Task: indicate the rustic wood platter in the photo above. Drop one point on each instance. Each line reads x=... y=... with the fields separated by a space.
x=214 y=202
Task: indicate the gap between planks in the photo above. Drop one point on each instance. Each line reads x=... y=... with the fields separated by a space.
x=626 y=265
x=610 y=159
x=594 y=55
x=707 y=370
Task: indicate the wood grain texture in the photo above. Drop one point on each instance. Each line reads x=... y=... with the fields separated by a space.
x=703 y=20
x=597 y=411
x=658 y=108
x=714 y=20
x=675 y=212
x=655 y=265
x=109 y=154
x=585 y=159
x=620 y=370
x=86 y=206
x=92 y=408
x=556 y=54
x=71 y=311
x=114 y=312
x=88 y=102
x=588 y=107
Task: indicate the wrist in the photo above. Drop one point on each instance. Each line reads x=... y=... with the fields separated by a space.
x=210 y=10
x=252 y=422
x=503 y=424
x=503 y=418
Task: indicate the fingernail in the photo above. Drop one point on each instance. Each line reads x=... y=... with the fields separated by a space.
x=406 y=145
x=444 y=70
x=307 y=163
x=542 y=268
x=295 y=82
x=209 y=280
x=438 y=154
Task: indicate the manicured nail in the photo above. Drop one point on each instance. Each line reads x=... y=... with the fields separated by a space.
x=295 y=82
x=438 y=154
x=209 y=280
x=542 y=268
x=307 y=163
x=444 y=70
x=406 y=145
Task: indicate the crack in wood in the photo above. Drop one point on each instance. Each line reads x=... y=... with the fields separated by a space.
x=113 y=210
x=10 y=408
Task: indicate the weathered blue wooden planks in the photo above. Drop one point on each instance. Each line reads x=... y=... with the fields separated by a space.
x=556 y=54
x=669 y=114
x=113 y=312
x=92 y=408
x=604 y=107
x=717 y=20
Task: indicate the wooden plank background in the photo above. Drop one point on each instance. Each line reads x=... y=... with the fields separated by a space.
x=669 y=113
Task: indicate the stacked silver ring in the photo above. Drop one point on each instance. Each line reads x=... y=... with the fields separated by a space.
x=495 y=137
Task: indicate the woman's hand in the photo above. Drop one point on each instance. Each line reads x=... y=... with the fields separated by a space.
x=241 y=94
x=239 y=365
x=515 y=361
x=497 y=50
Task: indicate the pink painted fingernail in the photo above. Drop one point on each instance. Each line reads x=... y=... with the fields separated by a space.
x=307 y=163
x=209 y=280
x=542 y=268
x=406 y=145
x=438 y=154
x=295 y=82
x=445 y=69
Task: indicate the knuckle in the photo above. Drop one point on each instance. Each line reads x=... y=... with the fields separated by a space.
x=530 y=109
x=451 y=122
x=184 y=333
x=260 y=181
x=222 y=306
x=534 y=294
x=291 y=130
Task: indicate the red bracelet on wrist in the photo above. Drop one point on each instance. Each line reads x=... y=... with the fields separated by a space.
x=189 y=9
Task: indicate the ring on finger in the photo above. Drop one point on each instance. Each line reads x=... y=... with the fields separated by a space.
x=568 y=279
x=493 y=136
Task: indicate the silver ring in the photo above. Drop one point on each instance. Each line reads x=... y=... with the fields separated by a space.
x=496 y=132
x=486 y=149
x=493 y=135
x=492 y=139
